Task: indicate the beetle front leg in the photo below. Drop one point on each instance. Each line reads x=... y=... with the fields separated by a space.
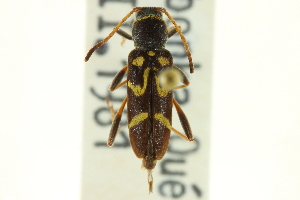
x=172 y=31
x=124 y=34
x=115 y=124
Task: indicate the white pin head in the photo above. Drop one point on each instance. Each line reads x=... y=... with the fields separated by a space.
x=169 y=78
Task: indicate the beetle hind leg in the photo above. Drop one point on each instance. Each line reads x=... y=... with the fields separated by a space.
x=184 y=123
x=115 y=124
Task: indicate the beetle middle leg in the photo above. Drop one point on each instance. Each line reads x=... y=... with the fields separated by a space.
x=116 y=83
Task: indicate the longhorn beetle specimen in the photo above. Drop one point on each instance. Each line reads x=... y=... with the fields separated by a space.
x=151 y=79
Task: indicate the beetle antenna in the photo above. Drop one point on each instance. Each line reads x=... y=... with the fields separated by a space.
x=91 y=51
x=186 y=46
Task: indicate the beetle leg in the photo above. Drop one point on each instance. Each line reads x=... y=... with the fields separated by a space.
x=172 y=31
x=124 y=34
x=179 y=133
x=91 y=51
x=111 y=108
x=184 y=123
x=112 y=112
x=121 y=84
x=116 y=117
x=116 y=83
x=115 y=124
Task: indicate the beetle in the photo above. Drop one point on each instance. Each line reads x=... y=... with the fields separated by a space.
x=151 y=79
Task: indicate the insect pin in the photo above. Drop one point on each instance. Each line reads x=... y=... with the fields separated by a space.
x=151 y=79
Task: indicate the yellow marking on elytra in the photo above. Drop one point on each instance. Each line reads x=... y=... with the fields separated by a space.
x=138 y=91
x=137 y=119
x=138 y=61
x=162 y=91
x=163 y=120
x=163 y=61
x=151 y=53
